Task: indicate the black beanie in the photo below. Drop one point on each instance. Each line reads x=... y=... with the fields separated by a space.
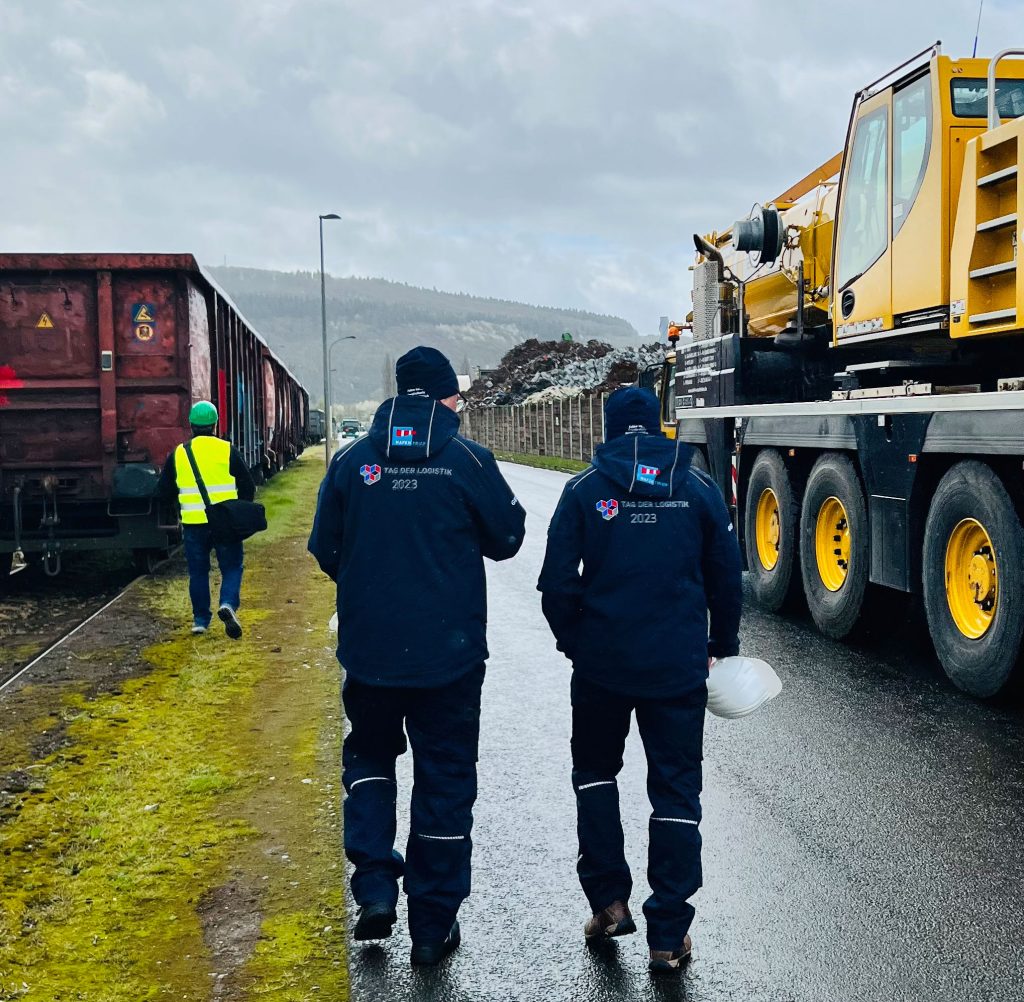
x=425 y=372
x=631 y=411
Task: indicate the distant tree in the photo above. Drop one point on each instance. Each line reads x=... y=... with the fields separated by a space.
x=388 y=377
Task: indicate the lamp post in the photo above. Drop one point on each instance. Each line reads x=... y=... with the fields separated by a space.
x=330 y=355
x=323 y=323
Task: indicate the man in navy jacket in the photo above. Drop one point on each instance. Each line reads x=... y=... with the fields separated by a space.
x=405 y=517
x=658 y=555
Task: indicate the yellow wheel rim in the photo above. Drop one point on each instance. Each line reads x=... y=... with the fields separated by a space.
x=972 y=578
x=832 y=543
x=767 y=531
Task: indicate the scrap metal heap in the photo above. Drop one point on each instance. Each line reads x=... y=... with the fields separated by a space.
x=539 y=370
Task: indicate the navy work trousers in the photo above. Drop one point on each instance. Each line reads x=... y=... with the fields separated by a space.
x=198 y=542
x=443 y=725
x=673 y=735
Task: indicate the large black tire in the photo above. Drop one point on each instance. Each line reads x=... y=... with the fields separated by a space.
x=777 y=585
x=981 y=666
x=836 y=609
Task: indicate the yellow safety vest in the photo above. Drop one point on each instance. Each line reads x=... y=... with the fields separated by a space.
x=213 y=457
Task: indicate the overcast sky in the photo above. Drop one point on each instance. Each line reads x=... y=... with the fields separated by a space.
x=557 y=152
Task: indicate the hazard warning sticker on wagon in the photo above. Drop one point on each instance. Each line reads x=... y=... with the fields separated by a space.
x=44 y=323
x=144 y=332
x=143 y=313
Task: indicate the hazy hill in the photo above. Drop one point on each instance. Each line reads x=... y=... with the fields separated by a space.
x=387 y=319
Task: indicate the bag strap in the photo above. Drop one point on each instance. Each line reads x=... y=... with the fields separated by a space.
x=195 y=472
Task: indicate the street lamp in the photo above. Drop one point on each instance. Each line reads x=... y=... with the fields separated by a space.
x=330 y=355
x=323 y=323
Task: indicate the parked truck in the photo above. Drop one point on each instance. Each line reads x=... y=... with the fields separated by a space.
x=855 y=382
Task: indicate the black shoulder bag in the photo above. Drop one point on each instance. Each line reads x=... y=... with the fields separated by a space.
x=230 y=521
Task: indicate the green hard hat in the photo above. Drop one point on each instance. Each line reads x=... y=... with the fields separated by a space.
x=202 y=414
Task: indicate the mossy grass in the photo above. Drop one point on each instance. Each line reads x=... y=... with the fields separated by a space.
x=216 y=765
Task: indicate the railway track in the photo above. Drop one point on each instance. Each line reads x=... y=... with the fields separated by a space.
x=8 y=679
x=38 y=615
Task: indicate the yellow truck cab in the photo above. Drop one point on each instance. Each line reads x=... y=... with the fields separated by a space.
x=855 y=383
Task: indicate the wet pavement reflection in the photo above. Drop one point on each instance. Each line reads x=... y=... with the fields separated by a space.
x=862 y=833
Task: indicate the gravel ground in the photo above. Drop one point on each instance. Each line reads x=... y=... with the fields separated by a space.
x=36 y=610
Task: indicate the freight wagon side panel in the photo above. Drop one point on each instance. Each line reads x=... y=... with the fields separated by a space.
x=200 y=355
x=151 y=338
x=270 y=395
x=49 y=345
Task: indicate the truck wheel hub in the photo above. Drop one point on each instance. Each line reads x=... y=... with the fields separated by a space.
x=972 y=580
x=832 y=543
x=768 y=530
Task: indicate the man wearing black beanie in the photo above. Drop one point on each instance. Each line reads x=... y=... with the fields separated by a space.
x=404 y=519
x=658 y=555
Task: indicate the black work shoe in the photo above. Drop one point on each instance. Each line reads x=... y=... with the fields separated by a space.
x=671 y=961
x=227 y=616
x=375 y=921
x=615 y=920
x=429 y=954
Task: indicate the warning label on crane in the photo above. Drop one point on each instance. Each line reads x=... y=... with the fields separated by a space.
x=143 y=313
x=44 y=323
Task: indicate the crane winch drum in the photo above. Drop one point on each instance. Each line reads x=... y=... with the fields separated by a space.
x=763 y=233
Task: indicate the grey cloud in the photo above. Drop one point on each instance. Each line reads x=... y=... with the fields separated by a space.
x=557 y=153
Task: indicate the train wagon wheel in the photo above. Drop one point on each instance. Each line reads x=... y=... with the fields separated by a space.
x=147 y=561
x=834 y=545
x=974 y=578
x=770 y=524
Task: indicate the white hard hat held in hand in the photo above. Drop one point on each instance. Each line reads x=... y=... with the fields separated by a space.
x=738 y=686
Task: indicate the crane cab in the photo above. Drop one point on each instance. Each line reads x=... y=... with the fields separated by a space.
x=911 y=204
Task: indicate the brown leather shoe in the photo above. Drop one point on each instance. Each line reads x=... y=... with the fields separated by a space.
x=671 y=961
x=615 y=920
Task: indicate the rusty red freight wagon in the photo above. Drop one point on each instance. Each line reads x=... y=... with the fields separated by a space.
x=101 y=357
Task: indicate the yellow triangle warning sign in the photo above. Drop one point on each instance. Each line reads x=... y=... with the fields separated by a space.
x=143 y=314
x=44 y=322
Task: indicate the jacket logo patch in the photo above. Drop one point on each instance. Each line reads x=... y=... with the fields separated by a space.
x=402 y=436
x=370 y=474
x=647 y=474
x=608 y=509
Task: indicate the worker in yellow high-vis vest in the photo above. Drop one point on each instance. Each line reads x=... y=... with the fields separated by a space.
x=226 y=476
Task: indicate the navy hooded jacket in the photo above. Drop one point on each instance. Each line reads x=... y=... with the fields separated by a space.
x=404 y=518
x=658 y=554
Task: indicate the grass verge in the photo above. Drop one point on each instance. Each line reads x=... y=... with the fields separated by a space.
x=542 y=462
x=183 y=841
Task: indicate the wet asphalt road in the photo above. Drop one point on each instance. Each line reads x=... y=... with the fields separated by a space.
x=862 y=834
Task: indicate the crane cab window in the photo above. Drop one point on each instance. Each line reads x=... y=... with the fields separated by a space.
x=912 y=131
x=970 y=98
x=864 y=217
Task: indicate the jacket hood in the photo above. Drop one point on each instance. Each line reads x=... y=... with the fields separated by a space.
x=412 y=427
x=649 y=465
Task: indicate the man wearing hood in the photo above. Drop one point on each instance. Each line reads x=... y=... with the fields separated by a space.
x=658 y=555
x=404 y=519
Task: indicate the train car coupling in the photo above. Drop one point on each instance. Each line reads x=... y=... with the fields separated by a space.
x=18 y=561
x=50 y=521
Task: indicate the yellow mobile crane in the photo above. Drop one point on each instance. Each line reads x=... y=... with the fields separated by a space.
x=855 y=382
